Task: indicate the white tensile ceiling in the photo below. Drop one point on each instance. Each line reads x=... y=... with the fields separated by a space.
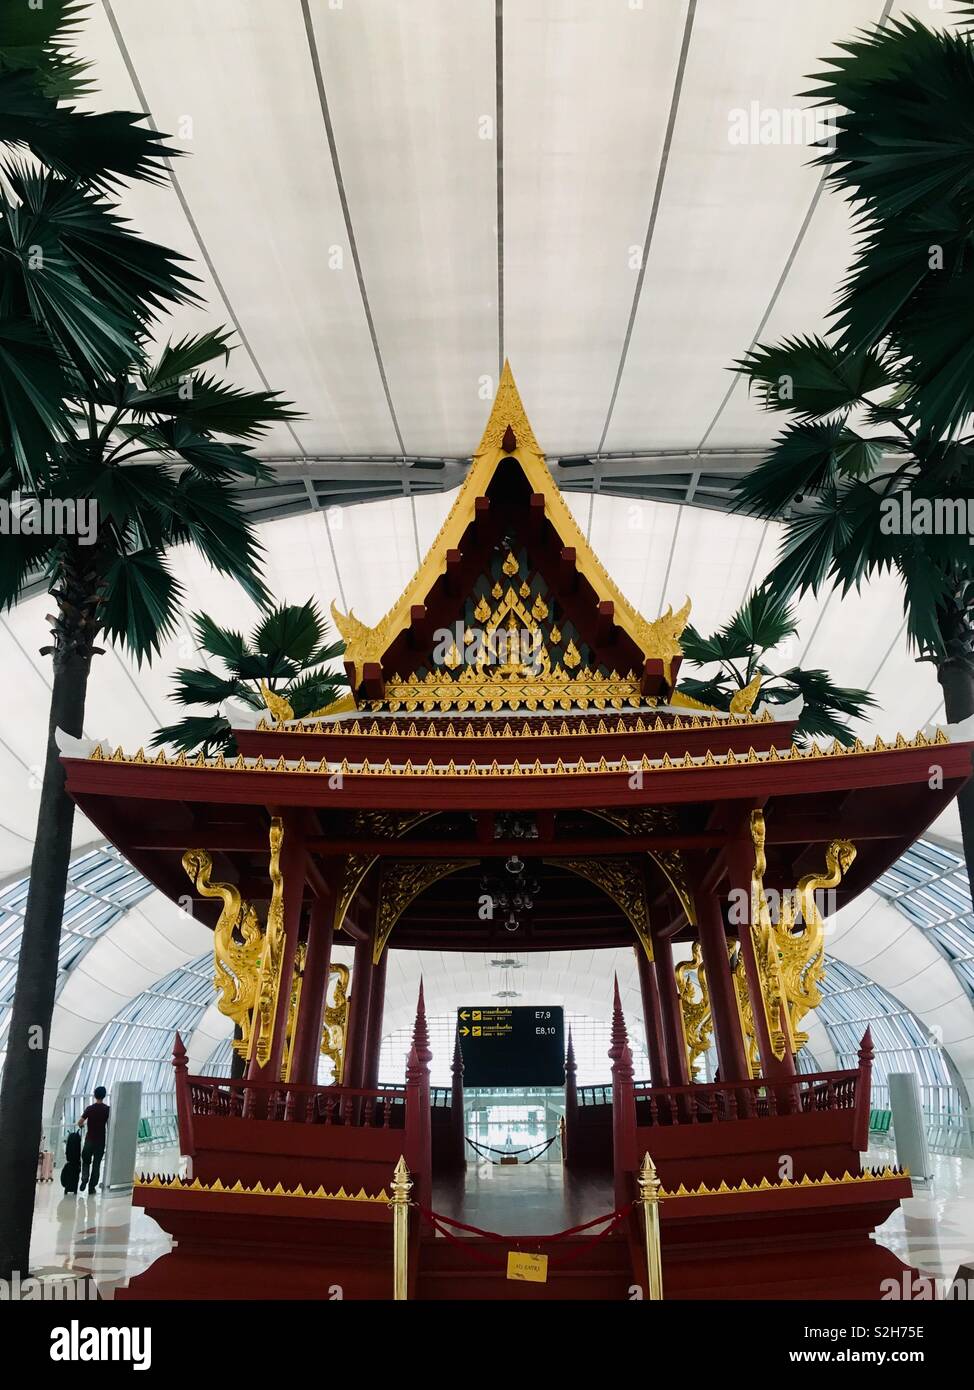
x=383 y=198
x=386 y=198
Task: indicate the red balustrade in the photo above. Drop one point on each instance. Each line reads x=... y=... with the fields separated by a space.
x=383 y=1107
x=717 y=1102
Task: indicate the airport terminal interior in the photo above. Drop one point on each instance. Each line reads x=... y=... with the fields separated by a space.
x=491 y=871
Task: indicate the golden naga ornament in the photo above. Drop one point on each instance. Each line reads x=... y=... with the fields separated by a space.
x=766 y=947
x=744 y=1011
x=743 y=701
x=297 y=980
x=278 y=706
x=801 y=947
x=238 y=944
x=698 y=1024
x=269 y=983
x=335 y=1022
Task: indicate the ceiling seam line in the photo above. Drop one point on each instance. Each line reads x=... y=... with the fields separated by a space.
x=499 y=142
x=27 y=839
x=132 y=681
x=792 y=256
x=886 y=657
x=346 y=213
x=654 y=212
x=936 y=710
x=669 y=559
x=754 y=563
x=806 y=648
x=191 y=220
x=887 y=6
x=334 y=560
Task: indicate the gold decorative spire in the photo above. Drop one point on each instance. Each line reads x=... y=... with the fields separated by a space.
x=509 y=433
x=508 y=413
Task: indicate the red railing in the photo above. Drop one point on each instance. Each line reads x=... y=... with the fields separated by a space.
x=702 y=1103
x=381 y=1108
x=744 y=1100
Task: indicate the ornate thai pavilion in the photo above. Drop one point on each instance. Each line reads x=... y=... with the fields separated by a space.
x=513 y=705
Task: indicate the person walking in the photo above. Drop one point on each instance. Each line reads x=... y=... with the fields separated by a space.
x=95 y=1118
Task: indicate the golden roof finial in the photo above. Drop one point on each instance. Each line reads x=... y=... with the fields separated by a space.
x=508 y=413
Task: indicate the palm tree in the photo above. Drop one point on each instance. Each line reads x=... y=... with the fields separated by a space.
x=874 y=471
x=77 y=287
x=87 y=418
x=740 y=650
x=144 y=451
x=285 y=657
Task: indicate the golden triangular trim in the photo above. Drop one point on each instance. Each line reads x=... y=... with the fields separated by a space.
x=659 y=639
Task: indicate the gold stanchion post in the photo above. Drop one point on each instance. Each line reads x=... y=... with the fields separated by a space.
x=649 y=1195
x=401 y=1188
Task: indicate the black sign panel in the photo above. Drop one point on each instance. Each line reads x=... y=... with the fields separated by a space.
x=512 y=1047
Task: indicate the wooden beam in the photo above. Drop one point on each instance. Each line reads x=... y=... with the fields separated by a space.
x=536 y=513
x=605 y=629
x=454 y=564
x=419 y=627
x=373 y=682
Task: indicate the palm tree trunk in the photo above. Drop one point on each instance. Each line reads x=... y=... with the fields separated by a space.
x=25 y=1071
x=957 y=683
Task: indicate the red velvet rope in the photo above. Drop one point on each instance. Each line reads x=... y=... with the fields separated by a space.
x=440 y=1223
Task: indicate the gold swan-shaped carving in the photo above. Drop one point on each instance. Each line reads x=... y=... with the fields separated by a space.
x=238 y=943
x=335 y=1022
x=802 y=951
x=697 y=1019
x=766 y=945
x=269 y=983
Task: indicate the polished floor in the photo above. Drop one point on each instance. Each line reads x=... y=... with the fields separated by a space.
x=528 y=1199
x=105 y=1239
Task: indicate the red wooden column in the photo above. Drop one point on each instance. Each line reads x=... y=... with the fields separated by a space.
x=624 y=1161
x=293 y=867
x=740 y=862
x=358 y=1007
x=671 y=1015
x=307 y=1032
x=373 y=1040
x=720 y=982
x=652 y=1017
